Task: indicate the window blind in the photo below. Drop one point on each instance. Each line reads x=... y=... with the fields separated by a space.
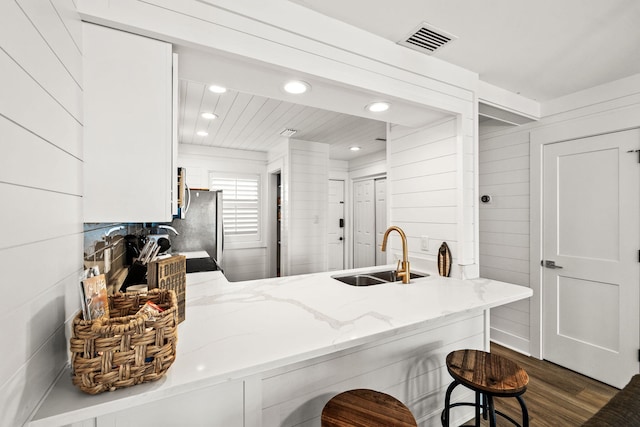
x=240 y=204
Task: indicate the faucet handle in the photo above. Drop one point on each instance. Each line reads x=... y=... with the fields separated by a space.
x=403 y=271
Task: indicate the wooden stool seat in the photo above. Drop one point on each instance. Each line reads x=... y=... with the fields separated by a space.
x=487 y=372
x=366 y=408
x=489 y=375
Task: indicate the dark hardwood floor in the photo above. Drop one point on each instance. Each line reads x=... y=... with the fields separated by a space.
x=555 y=396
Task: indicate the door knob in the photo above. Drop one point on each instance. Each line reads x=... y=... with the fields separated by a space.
x=551 y=264
x=340 y=238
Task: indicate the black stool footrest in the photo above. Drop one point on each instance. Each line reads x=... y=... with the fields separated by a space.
x=502 y=414
x=486 y=405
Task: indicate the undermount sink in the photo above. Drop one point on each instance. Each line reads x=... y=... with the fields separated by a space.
x=392 y=275
x=360 y=280
x=374 y=278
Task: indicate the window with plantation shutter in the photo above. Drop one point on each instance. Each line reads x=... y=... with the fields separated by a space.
x=240 y=205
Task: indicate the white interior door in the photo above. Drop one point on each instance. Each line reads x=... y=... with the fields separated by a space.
x=381 y=218
x=364 y=239
x=591 y=232
x=336 y=225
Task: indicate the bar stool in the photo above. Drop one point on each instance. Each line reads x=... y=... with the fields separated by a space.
x=489 y=376
x=366 y=408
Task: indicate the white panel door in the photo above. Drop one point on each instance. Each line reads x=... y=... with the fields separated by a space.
x=591 y=232
x=364 y=224
x=381 y=218
x=336 y=225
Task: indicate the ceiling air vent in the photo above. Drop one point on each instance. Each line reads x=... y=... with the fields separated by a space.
x=288 y=132
x=427 y=38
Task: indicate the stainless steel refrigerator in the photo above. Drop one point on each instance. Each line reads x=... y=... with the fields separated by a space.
x=201 y=229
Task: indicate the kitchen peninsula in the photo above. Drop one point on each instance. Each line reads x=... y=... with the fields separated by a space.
x=272 y=352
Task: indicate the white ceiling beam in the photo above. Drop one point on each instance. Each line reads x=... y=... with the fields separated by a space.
x=506 y=106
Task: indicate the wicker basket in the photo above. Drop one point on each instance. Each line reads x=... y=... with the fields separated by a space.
x=125 y=349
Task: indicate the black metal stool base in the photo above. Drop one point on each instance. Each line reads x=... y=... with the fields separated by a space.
x=484 y=404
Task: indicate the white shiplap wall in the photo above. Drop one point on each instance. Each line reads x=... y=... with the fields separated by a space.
x=423 y=190
x=308 y=206
x=40 y=185
x=374 y=164
x=246 y=261
x=504 y=229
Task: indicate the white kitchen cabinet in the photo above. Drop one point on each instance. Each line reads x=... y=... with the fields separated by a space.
x=220 y=405
x=128 y=127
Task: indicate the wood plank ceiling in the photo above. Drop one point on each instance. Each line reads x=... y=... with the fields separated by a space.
x=251 y=122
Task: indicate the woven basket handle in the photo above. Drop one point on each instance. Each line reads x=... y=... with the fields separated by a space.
x=102 y=326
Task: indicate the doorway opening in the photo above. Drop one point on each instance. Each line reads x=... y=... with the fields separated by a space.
x=336 y=227
x=275 y=224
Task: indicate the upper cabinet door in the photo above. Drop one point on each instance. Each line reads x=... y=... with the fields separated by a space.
x=128 y=144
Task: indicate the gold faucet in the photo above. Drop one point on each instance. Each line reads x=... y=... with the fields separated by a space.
x=403 y=268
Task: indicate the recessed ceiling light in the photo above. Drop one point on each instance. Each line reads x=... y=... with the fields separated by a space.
x=296 y=87
x=217 y=89
x=354 y=148
x=378 y=107
x=209 y=116
x=202 y=133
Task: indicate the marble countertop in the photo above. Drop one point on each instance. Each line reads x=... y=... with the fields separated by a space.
x=233 y=330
